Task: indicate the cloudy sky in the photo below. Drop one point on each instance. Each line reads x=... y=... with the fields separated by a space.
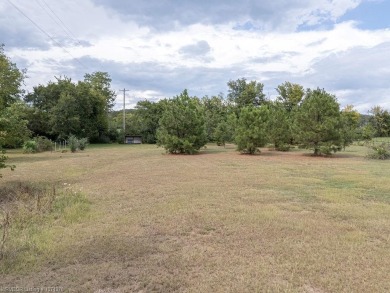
x=157 y=48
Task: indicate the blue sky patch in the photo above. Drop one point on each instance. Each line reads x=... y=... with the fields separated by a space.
x=370 y=15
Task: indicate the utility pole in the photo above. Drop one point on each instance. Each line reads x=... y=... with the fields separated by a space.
x=124 y=113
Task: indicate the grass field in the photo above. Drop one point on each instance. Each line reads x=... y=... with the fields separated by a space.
x=213 y=222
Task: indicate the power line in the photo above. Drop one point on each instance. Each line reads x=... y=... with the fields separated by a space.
x=51 y=16
x=59 y=22
x=43 y=31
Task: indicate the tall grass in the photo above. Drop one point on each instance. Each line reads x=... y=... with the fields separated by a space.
x=27 y=215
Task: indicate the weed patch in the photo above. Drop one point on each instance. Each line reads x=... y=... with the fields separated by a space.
x=27 y=214
x=379 y=151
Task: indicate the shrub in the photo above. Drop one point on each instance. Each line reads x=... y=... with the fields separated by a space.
x=30 y=146
x=38 y=144
x=73 y=143
x=43 y=144
x=329 y=149
x=77 y=144
x=283 y=147
x=83 y=142
x=4 y=158
x=379 y=152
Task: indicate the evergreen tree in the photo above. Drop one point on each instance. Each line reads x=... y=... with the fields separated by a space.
x=251 y=129
x=279 y=126
x=318 y=123
x=182 y=125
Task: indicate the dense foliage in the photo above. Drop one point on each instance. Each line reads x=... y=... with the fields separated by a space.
x=379 y=151
x=318 y=122
x=182 y=125
x=67 y=110
x=11 y=79
x=242 y=93
x=63 y=108
x=380 y=121
x=13 y=126
x=279 y=126
x=251 y=130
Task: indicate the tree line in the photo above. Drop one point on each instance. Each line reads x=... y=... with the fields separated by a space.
x=59 y=109
x=310 y=118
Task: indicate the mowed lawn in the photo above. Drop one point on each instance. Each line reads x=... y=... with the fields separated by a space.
x=213 y=222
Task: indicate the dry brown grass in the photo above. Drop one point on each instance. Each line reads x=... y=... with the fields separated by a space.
x=218 y=221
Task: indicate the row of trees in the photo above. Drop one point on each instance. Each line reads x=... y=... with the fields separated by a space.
x=63 y=108
x=281 y=122
x=221 y=114
x=56 y=110
x=311 y=118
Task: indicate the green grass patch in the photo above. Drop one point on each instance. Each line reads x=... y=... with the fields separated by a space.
x=31 y=218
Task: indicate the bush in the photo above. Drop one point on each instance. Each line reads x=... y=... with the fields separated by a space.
x=114 y=135
x=73 y=143
x=4 y=158
x=43 y=144
x=83 y=142
x=283 y=147
x=39 y=144
x=379 y=152
x=77 y=144
x=30 y=147
x=329 y=149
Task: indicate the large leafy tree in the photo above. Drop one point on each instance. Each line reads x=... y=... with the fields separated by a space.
x=290 y=95
x=243 y=93
x=182 y=125
x=65 y=116
x=148 y=115
x=11 y=79
x=13 y=130
x=215 y=112
x=62 y=108
x=251 y=129
x=100 y=83
x=289 y=98
x=350 y=119
x=380 y=121
x=45 y=97
x=13 y=126
x=43 y=104
x=318 y=123
x=12 y=121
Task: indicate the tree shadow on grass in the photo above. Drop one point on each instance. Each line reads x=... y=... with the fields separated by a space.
x=332 y=156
